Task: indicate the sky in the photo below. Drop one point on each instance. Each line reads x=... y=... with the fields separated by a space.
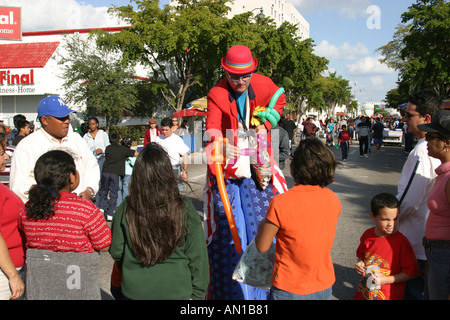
x=346 y=32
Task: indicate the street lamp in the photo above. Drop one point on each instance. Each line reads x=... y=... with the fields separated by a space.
x=261 y=12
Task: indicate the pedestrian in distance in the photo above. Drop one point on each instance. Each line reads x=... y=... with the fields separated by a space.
x=23 y=127
x=97 y=140
x=437 y=230
x=12 y=245
x=61 y=229
x=363 y=131
x=304 y=221
x=124 y=180
x=386 y=259
x=113 y=169
x=152 y=132
x=176 y=149
x=377 y=130
x=344 y=140
x=158 y=240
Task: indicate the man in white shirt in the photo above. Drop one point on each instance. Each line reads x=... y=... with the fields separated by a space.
x=317 y=123
x=414 y=211
x=54 y=116
x=175 y=148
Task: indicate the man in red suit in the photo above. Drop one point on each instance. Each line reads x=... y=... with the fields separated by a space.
x=231 y=106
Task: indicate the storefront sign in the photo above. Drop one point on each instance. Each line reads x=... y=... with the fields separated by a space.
x=10 y=23
x=14 y=83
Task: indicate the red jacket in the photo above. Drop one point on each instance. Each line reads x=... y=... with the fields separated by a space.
x=222 y=111
x=147 y=137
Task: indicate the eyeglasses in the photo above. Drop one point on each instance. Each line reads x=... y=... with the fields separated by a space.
x=175 y=120
x=409 y=115
x=237 y=78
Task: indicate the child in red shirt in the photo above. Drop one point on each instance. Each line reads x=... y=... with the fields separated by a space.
x=57 y=220
x=386 y=259
x=343 y=140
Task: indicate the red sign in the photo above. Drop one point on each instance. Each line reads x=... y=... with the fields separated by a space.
x=10 y=23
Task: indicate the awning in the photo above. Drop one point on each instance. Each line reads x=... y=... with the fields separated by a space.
x=189 y=113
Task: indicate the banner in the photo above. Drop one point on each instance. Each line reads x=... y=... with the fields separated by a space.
x=10 y=23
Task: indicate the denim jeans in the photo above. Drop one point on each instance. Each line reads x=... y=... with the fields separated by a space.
x=437 y=285
x=415 y=287
x=123 y=188
x=277 y=294
x=344 y=150
x=109 y=184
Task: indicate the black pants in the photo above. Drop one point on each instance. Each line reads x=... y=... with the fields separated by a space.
x=363 y=140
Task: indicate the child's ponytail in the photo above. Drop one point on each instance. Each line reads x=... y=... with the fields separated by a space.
x=52 y=173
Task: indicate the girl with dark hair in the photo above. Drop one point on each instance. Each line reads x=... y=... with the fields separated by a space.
x=158 y=241
x=77 y=224
x=304 y=222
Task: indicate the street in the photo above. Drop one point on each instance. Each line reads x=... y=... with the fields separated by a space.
x=356 y=182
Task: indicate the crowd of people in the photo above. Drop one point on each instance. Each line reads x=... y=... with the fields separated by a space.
x=63 y=188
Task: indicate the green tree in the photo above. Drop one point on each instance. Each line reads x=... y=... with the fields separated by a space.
x=334 y=90
x=180 y=45
x=420 y=50
x=394 y=98
x=97 y=78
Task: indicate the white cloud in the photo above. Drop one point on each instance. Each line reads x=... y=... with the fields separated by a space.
x=344 y=52
x=368 y=66
x=345 y=8
x=41 y=15
x=377 y=81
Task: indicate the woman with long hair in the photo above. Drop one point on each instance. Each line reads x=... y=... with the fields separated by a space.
x=158 y=241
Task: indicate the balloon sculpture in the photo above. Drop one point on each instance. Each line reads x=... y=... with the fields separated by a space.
x=268 y=113
x=218 y=160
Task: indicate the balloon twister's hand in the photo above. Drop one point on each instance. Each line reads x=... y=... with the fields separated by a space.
x=231 y=151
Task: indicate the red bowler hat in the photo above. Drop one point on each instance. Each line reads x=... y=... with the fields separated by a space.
x=239 y=60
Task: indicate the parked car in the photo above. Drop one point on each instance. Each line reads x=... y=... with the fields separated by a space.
x=392 y=136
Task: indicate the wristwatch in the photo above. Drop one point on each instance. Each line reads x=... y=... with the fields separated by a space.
x=91 y=190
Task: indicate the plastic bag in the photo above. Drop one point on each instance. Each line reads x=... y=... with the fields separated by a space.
x=255 y=268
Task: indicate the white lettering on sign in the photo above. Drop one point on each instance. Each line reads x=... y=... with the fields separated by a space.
x=7 y=19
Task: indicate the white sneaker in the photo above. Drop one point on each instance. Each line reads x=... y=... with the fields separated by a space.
x=366 y=156
x=109 y=218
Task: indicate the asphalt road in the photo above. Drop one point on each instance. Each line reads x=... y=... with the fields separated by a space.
x=356 y=182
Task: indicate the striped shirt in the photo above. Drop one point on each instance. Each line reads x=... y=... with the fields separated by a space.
x=77 y=226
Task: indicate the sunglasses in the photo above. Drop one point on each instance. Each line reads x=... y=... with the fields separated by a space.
x=237 y=78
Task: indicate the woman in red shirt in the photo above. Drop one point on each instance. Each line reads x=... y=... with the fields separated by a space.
x=12 y=256
x=77 y=224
